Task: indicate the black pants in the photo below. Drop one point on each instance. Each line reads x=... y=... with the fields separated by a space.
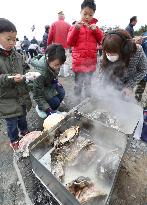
x=83 y=80
x=33 y=53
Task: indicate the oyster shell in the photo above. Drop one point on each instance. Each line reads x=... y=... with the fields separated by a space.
x=84 y=190
x=68 y=134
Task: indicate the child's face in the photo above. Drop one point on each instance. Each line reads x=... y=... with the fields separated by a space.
x=55 y=65
x=87 y=14
x=8 y=40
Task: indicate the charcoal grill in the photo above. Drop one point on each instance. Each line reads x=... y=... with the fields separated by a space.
x=105 y=138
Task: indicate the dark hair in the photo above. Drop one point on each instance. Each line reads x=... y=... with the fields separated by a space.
x=6 y=26
x=55 y=51
x=118 y=41
x=134 y=18
x=89 y=3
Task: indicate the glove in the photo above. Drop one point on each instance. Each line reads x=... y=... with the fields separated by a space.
x=49 y=111
x=56 y=84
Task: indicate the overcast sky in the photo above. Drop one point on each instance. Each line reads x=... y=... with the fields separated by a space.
x=25 y=13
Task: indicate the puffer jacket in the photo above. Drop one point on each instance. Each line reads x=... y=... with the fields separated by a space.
x=43 y=89
x=58 y=33
x=12 y=95
x=84 y=43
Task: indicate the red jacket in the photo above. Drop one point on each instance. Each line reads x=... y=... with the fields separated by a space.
x=58 y=33
x=84 y=42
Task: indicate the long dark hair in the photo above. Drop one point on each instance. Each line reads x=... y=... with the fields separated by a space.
x=118 y=41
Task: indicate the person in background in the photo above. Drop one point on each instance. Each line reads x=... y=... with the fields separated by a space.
x=45 y=37
x=84 y=37
x=18 y=46
x=47 y=91
x=130 y=30
x=14 y=95
x=58 y=34
x=58 y=31
x=33 y=49
x=34 y=41
x=130 y=27
x=25 y=45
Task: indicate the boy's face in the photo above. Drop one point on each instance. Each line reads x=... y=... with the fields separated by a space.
x=87 y=14
x=55 y=65
x=8 y=40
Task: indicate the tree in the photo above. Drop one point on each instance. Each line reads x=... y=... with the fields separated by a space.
x=141 y=30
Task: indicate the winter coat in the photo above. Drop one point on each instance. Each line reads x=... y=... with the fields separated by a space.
x=58 y=33
x=43 y=89
x=84 y=47
x=130 y=30
x=144 y=43
x=12 y=95
x=132 y=75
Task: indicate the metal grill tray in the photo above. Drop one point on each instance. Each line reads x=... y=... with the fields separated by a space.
x=105 y=138
x=127 y=114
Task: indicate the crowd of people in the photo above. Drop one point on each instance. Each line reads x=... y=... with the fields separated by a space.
x=123 y=64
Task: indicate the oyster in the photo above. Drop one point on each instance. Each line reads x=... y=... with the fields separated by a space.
x=58 y=162
x=82 y=153
x=68 y=134
x=84 y=190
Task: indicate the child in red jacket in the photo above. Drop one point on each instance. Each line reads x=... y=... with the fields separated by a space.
x=83 y=37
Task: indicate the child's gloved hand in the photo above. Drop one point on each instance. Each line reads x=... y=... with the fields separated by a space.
x=49 y=111
x=56 y=84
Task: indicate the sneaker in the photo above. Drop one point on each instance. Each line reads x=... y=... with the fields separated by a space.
x=14 y=145
x=41 y=113
x=23 y=133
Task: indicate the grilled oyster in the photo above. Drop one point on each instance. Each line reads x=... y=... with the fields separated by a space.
x=68 y=134
x=82 y=153
x=58 y=163
x=84 y=190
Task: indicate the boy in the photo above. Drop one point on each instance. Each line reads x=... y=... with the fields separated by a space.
x=47 y=92
x=14 y=95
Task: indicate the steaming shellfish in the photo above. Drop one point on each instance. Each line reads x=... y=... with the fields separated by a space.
x=84 y=190
x=68 y=134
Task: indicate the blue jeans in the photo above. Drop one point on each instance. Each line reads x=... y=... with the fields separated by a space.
x=15 y=123
x=55 y=101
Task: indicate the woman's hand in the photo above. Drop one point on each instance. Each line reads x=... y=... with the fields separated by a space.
x=18 y=78
x=127 y=93
x=138 y=39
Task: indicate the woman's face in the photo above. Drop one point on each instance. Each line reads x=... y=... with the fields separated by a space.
x=8 y=40
x=55 y=64
x=87 y=14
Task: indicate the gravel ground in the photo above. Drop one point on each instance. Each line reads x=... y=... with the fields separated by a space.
x=131 y=184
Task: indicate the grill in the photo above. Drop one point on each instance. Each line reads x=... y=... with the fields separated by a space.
x=115 y=113
x=110 y=146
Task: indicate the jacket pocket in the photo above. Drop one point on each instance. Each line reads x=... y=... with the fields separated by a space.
x=9 y=108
